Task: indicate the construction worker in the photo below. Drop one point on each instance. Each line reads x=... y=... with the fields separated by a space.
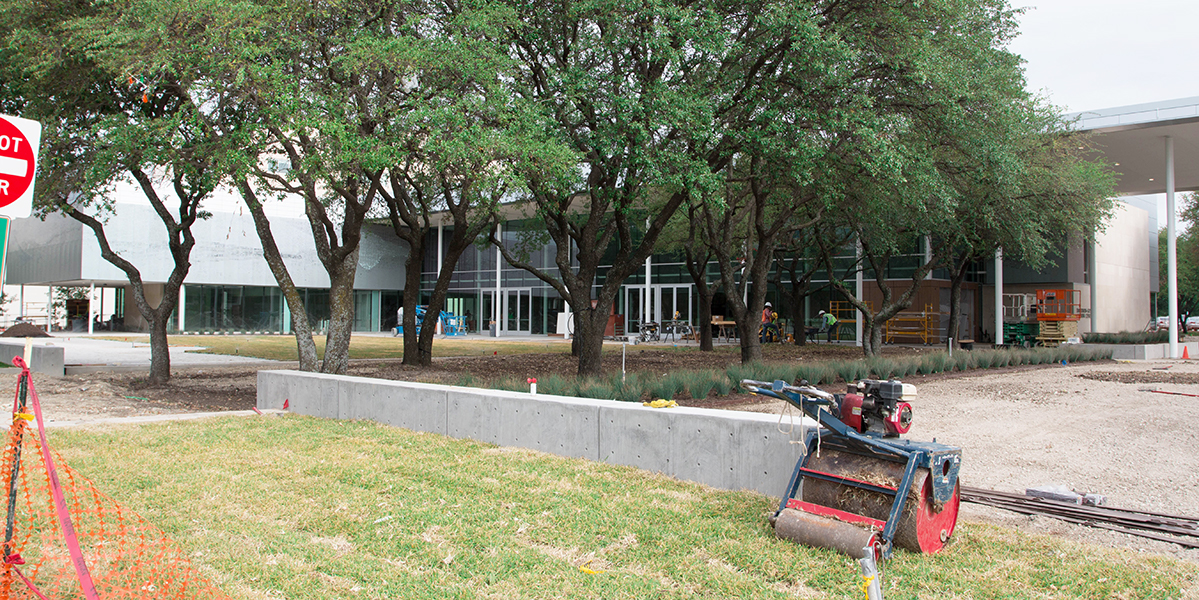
x=830 y=324
x=769 y=330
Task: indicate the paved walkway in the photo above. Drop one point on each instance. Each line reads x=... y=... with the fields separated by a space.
x=82 y=352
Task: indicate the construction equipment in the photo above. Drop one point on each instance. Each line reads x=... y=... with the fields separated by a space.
x=1020 y=327
x=1058 y=312
x=858 y=485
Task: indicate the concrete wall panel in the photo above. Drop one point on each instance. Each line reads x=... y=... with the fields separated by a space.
x=635 y=436
x=724 y=449
x=703 y=447
x=43 y=358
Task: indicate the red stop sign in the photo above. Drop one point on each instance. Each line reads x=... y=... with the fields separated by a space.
x=16 y=163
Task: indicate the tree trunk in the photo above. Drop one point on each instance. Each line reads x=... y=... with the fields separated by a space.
x=705 y=319
x=160 y=350
x=591 y=340
x=300 y=327
x=751 y=345
x=341 y=316
x=411 y=298
x=876 y=338
x=955 y=300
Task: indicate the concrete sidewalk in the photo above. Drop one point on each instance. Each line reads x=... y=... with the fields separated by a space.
x=82 y=354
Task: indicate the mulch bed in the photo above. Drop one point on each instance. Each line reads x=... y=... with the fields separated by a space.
x=1143 y=377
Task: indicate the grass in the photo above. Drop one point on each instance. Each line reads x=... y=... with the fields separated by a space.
x=301 y=508
x=283 y=347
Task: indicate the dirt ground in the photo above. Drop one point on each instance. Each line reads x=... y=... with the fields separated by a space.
x=1089 y=426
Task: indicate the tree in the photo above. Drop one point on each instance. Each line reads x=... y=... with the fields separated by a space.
x=759 y=209
x=111 y=116
x=960 y=151
x=655 y=100
x=1186 y=252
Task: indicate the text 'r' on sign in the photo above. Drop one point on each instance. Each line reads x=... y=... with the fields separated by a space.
x=19 y=140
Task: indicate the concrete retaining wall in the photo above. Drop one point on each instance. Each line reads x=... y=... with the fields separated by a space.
x=1146 y=351
x=724 y=449
x=43 y=359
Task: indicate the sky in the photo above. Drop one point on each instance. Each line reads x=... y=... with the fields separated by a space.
x=1091 y=54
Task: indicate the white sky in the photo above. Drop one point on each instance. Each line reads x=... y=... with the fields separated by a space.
x=1091 y=54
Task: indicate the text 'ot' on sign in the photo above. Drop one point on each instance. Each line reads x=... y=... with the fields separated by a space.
x=19 y=140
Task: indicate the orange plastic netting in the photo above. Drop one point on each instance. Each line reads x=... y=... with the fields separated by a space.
x=125 y=555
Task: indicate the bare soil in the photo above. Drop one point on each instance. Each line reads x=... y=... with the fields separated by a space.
x=1091 y=426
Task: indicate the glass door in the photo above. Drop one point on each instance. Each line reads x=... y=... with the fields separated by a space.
x=518 y=310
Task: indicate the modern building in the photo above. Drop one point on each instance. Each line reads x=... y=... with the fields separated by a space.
x=229 y=286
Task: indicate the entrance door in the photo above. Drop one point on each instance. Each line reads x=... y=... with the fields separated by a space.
x=664 y=300
x=669 y=299
x=517 y=310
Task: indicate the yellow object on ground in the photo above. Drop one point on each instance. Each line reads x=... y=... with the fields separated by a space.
x=661 y=403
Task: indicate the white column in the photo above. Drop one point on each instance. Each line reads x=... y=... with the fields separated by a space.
x=646 y=304
x=1171 y=248
x=440 y=267
x=928 y=254
x=858 y=293
x=50 y=307
x=998 y=296
x=91 y=309
x=495 y=304
x=180 y=322
x=1093 y=270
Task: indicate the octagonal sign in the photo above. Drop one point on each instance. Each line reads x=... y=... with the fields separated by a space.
x=19 y=140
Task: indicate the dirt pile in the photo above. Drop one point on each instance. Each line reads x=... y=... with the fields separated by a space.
x=24 y=330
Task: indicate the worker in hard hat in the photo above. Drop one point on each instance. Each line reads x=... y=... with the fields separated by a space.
x=769 y=330
x=830 y=324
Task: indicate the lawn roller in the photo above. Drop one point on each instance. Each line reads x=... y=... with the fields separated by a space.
x=844 y=493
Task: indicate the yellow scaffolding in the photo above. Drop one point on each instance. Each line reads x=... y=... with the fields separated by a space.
x=847 y=317
x=924 y=325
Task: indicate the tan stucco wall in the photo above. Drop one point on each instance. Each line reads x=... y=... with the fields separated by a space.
x=1123 y=275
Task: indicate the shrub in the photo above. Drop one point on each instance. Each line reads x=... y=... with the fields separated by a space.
x=699 y=383
x=939 y=362
x=1128 y=337
x=723 y=384
x=881 y=368
x=595 y=388
x=664 y=387
x=849 y=370
x=556 y=385
x=737 y=373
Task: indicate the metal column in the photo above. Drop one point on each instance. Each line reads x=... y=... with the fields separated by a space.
x=1093 y=270
x=1171 y=247
x=858 y=292
x=998 y=296
x=499 y=258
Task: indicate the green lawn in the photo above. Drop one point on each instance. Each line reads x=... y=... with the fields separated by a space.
x=298 y=508
x=283 y=347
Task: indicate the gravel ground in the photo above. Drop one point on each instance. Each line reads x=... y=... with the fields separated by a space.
x=1078 y=426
